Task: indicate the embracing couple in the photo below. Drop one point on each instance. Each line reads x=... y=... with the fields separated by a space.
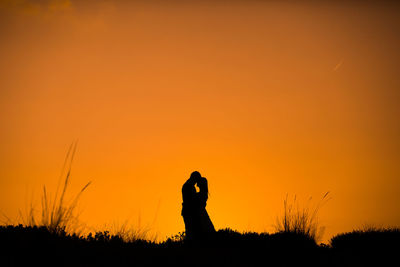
x=198 y=225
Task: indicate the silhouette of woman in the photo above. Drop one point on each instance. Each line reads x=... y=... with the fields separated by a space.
x=206 y=227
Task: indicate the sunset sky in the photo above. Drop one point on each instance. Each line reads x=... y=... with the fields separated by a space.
x=264 y=98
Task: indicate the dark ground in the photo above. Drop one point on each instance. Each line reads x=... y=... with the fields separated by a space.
x=32 y=246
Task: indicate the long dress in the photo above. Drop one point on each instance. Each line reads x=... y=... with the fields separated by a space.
x=206 y=227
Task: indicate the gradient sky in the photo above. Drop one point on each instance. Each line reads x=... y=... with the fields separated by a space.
x=264 y=98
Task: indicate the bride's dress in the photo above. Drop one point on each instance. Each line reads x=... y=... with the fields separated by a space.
x=205 y=224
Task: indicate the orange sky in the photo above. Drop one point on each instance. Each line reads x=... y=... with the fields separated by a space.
x=264 y=98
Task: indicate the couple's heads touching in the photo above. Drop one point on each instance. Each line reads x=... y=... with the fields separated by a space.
x=198 y=225
x=192 y=196
x=201 y=182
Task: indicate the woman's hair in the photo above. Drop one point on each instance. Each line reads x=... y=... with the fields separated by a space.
x=203 y=185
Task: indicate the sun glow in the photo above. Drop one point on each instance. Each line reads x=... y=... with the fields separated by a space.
x=265 y=99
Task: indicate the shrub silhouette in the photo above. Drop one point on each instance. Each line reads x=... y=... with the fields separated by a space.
x=27 y=245
x=367 y=239
x=367 y=247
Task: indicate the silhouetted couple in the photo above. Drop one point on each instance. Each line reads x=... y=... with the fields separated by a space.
x=198 y=225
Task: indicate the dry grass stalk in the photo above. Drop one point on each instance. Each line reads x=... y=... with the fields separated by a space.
x=301 y=220
x=57 y=214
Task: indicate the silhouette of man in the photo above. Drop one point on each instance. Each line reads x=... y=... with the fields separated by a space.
x=190 y=206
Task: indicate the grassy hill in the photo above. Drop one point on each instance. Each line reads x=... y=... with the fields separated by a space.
x=31 y=246
x=49 y=240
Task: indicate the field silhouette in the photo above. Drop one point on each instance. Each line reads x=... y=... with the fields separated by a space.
x=54 y=239
x=29 y=246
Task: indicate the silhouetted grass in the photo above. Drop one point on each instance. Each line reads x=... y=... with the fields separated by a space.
x=130 y=233
x=301 y=220
x=57 y=214
x=52 y=239
x=228 y=248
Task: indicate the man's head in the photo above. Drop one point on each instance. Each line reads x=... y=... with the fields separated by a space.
x=195 y=176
